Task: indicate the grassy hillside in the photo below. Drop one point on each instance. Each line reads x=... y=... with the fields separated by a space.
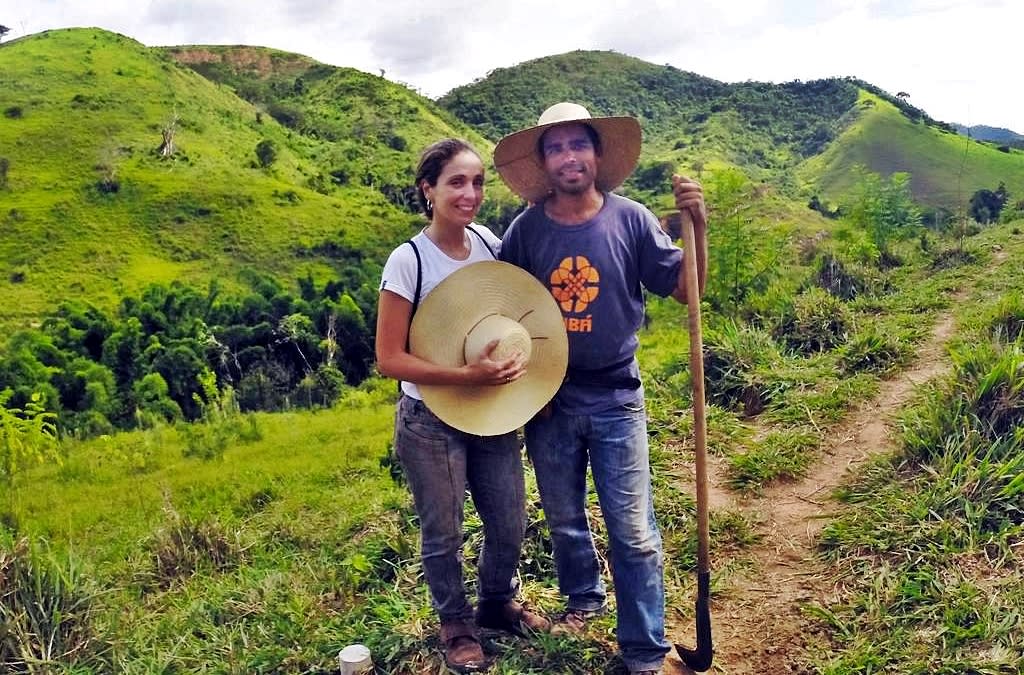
x=90 y=209
x=946 y=168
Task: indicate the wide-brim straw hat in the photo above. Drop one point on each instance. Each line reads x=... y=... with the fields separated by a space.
x=518 y=161
x=472 y=306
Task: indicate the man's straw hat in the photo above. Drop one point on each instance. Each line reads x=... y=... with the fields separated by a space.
x=479 y=303
x=517 y=156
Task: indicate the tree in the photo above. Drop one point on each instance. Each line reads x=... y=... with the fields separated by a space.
x=986 y=205
x=167 y=147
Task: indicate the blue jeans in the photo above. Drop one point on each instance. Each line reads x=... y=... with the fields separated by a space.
x=439 y=462
x=615 y=444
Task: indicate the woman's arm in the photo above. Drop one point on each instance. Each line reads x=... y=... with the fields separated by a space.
x=393 y=360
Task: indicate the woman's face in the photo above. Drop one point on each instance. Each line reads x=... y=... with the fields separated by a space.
x=459 y=190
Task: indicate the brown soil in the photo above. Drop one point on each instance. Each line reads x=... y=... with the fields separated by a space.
x=757 y=622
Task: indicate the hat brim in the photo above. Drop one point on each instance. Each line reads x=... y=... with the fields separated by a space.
x=519 y=164
x=459 y=303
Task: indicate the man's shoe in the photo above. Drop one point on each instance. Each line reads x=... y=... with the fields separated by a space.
x=574 y=621
x=462 y=650
x=511 y=617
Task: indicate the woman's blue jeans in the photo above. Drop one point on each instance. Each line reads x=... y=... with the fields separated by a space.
x=439 y=463
x=615 y=444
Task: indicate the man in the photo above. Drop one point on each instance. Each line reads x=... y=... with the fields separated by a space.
x=596 y=250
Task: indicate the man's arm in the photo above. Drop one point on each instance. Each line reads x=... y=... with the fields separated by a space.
x=690 y=197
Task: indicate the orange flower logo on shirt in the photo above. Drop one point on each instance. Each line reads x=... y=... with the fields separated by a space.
x=574 y=284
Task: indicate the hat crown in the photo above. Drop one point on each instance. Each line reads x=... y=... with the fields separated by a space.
x=563 y=112
x=512 y=338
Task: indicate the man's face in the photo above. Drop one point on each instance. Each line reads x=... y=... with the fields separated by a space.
x=570 y=158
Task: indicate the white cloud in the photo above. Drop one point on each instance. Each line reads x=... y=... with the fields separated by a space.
x=954 y=57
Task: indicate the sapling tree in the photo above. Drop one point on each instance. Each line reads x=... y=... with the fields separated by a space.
x=27 y=436
x=744 y=252
x=883 y=207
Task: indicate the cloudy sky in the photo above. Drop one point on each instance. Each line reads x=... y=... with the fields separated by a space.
x=954 y=57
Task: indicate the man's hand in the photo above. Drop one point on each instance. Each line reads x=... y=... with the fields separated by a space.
x=690 y=199
x=690 y=196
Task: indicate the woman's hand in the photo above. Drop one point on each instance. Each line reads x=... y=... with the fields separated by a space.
x=490 y=370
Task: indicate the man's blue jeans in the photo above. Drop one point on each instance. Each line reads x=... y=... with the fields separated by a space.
x=439 y=463
x=615 y=443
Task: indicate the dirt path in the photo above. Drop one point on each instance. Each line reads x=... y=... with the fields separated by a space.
x=757 y=622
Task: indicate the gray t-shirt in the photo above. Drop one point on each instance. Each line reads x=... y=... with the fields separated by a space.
x=595 y=271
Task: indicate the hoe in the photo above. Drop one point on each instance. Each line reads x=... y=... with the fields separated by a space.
x=698 y=659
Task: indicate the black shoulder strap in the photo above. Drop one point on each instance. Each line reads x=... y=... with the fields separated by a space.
x=419 y=267
x=419 y=277
x=416 y=295
x=488 y=246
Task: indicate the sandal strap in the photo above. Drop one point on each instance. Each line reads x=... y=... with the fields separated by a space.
x=451 y=630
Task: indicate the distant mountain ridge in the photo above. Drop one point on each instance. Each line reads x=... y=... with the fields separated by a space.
x=993 y=134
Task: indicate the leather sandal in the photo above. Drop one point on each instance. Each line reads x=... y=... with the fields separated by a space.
x=511 y=617
x=462 y=650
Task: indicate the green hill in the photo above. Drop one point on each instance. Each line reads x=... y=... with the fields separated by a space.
x=822 y=128
x=762 y=127
x=90 y=209
x=946 y=168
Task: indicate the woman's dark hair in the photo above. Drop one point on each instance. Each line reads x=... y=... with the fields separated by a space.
x=432 y=163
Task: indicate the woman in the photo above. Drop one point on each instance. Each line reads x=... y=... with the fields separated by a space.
x=438 y=460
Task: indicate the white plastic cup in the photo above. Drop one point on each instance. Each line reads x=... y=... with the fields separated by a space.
x=355 y=659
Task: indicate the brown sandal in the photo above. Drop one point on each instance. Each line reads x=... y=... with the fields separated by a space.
x=462 y=650
x=511 y=617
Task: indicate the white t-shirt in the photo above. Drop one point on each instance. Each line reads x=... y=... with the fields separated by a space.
x=399 y=274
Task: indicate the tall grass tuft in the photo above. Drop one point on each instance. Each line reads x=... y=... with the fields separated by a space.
x=739 y=362
x=1005 y=321
x=873 y=350
x=46 y=612
x=184 y=547
x=816 y=321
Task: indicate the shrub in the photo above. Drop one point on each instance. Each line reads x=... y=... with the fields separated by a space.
x=816 y=321
x=266 y=152
x=953 y=257
x=396 y=142
x=27 y=436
